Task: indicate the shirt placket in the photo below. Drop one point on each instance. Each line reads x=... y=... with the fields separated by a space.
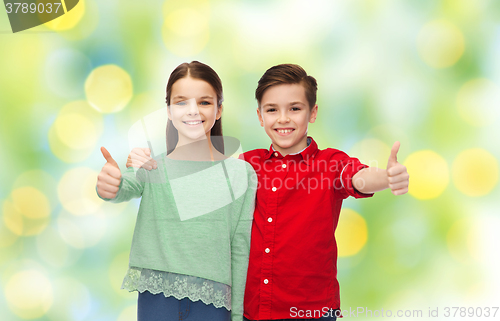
x=277 y=179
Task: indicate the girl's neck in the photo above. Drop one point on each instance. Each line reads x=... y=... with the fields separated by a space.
x=199 y=150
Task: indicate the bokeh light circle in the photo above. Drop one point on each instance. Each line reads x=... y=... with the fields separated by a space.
x=68 y=20
x=440 y=44
x=54 y=251
x=128 y=314
x=372 y=152
x=77 y=192
x=478 y=102
x=65 y=72
x=117 y=271
x=74 y=133
x=29 y=294
x=475 y=172
x=81 y=232
x=186 y=31
x=72 y=300
x=429 y=174
x=108 y=88
x=351 y=233
x=27 y=211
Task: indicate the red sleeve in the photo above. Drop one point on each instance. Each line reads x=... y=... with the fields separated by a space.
x=347 y=168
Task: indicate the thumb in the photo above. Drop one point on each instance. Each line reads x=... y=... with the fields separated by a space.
x=393 y=160
x=108 y=157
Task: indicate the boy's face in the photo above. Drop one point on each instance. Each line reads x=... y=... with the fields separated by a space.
x=285 y=115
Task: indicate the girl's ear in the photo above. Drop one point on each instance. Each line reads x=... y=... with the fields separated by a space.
x=168 y=113
x=219 y=112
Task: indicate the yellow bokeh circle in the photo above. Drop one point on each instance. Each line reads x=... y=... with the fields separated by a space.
x=128 y=314
x=186 y=31
x=108 y=88
x=74 y=133
x=372 y=152
x=68 y=20
x=475 y=172
x=463 y=240
x=27 y=211
x=29 y=294
x=429 y=174
x=77 y=192
x=440 y=44
x=351 y=233
x=478 y=102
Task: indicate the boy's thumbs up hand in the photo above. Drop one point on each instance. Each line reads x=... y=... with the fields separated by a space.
x=109 y=178
x=398 y=177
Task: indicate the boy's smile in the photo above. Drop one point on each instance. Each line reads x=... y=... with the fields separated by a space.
x=285 y=114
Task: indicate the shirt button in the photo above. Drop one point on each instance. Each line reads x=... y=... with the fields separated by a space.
x=276 y=154
x=266 y=281
x=270 y=219
x=274 y=189
x=268 y=250
x=284 y=165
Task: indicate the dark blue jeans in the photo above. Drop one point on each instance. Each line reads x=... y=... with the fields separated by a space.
x=157 y=307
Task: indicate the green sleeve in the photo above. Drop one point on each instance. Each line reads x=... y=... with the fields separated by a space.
x=131 y=186
x=240 y=247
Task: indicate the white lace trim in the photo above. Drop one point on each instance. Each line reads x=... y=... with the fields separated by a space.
x=178 y=285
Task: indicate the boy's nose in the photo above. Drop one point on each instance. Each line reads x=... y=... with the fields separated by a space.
x=283 y=118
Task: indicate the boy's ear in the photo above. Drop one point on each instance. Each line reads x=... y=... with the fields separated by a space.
x=314 y=114
x=261 y=120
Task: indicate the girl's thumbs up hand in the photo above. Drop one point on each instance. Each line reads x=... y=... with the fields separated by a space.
x=398 y=177
x=109 y=178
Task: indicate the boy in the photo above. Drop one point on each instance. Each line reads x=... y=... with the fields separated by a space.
x=293 y=253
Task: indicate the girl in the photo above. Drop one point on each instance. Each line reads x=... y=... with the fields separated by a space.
x=191 y=242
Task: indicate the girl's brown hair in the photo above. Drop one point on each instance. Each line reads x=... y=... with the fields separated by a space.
x=287 y=74
x=197 y=70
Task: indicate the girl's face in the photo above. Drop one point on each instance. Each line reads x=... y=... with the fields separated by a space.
x=193 y=108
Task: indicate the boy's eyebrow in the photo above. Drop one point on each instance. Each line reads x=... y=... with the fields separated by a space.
x=269 y=105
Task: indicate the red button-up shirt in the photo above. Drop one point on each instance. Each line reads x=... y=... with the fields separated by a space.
x=293 y=252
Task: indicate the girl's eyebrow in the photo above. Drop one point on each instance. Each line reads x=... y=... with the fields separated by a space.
x=183 y=97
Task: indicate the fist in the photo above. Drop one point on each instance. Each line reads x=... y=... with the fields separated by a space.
x=140 y=157
x=109 y=178
x=398 y=177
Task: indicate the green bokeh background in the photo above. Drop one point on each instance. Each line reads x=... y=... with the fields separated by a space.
x=387 y=70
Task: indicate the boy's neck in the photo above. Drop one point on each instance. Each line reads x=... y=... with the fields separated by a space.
x=292 y=149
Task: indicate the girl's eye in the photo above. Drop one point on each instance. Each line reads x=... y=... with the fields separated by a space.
x=180 y=103
x=205 y=103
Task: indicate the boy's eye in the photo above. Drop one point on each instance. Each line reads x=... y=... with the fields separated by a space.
x=269 y=110
x=206 y=103
x=180 y=103
x=295 y=108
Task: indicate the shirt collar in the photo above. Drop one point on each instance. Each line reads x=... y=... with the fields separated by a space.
x=307 y=153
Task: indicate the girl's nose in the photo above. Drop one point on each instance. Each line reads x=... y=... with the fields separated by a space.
x=192 y=109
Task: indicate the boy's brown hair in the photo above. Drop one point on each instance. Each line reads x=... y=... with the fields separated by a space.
x=287 y=74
